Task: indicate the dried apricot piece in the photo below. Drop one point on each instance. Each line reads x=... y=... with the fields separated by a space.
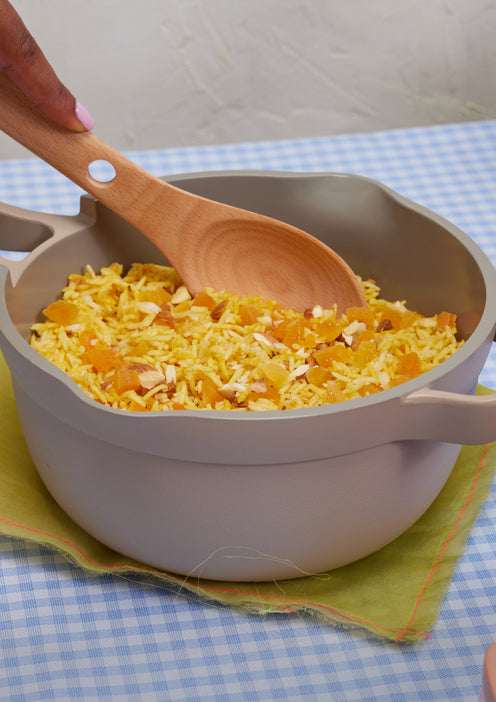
x=326 y=356
x=136 y=407
x=365 y=353
x=62 y=312
x=446 y=319
x=279 y=330
x=309 y=340
x=295 y=333
x=409 y=317
x=203 y=299
x=160 y=296
x=125 y=379
x=336 y=394
x=248 y=314
x=87 y=338
x=276 y=374
x=209 y=392
x=318 y=376
x=410 y=365
x=272 y=393
x=361 y=314
x=140 y=348
x=398 y=380
x=369 y=389
x=328 y=330
x=102 y=359
x=393 y=316
x=365 y=335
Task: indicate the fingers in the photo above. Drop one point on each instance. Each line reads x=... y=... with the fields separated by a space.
x=23 y=61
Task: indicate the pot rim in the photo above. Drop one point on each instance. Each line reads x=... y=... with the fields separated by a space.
x=484 y=330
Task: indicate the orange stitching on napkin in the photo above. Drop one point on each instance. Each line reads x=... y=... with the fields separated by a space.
x=75 y=548
x=342 y=614
x=444 y=546
x=148 y=569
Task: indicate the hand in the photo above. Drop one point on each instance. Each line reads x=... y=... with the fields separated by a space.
x=23 y=61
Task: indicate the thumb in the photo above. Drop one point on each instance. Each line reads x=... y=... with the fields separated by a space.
x=23 y=61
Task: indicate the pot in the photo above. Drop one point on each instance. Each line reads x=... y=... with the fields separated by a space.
x=256 y=495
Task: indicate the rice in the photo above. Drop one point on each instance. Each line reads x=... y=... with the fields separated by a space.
x=138 y=341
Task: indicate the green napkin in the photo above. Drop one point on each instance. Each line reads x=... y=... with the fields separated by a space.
x=394 y=593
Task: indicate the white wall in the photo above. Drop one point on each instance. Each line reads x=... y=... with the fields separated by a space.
x=161 y=73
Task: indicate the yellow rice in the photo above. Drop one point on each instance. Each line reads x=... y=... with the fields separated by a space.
x=233 y=353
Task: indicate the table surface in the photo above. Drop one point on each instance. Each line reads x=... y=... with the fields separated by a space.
x=66 y=634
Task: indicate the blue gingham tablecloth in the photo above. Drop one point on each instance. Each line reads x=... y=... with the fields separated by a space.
x=68 y=635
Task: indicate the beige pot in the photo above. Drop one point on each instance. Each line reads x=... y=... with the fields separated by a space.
x=256 y=496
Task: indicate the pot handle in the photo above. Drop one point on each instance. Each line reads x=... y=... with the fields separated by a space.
x=451 y=417
x=28 y=232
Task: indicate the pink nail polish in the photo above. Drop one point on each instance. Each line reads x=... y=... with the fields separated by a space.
x=84 y=117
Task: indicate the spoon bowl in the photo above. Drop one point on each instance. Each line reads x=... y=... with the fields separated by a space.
x=208 y=243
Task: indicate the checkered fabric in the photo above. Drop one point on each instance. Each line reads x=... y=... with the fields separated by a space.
x=66 y=635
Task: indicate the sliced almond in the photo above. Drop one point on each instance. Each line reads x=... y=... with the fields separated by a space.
x=259 y=386
x=384 y=325
x=354 y=327
x=265 y=319
x=383 y=378
x=217 y=311
x=352 y=331
x=314 y=312
x=165 y=317
x=267 y=340
x=148 y=307
x=300 y=371
x=148 y=379
x=141 y=367
x=91 y=303
x=181 y=295
x=170 y=375
x=230 y=390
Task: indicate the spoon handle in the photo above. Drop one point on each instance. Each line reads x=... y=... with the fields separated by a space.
x=208 y=243
x=133 y=193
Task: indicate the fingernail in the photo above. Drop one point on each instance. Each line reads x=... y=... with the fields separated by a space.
x=84 y=117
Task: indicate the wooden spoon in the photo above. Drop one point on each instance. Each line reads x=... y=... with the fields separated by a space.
x=208 y=243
